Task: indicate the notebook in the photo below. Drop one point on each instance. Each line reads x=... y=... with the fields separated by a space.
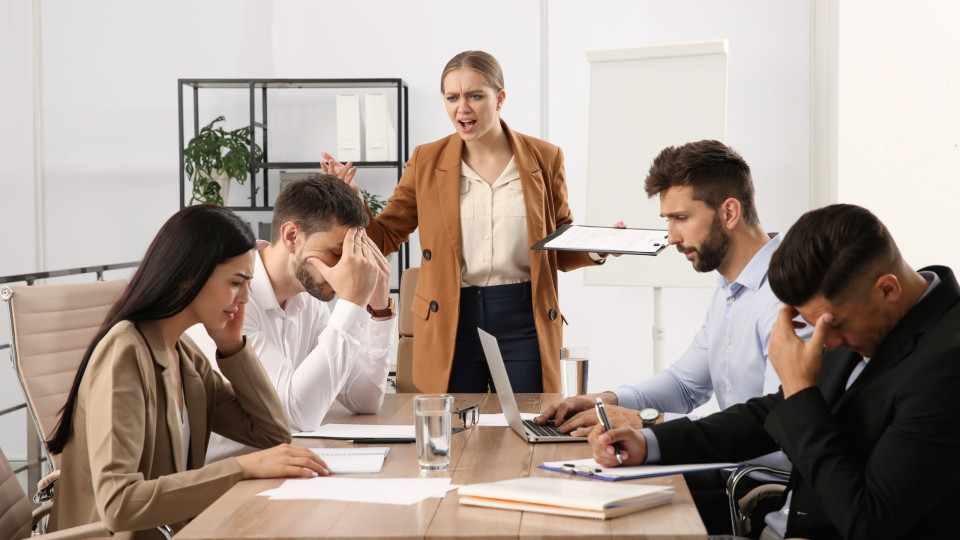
x=527 y=429
x=566 y=497
x=591 y=469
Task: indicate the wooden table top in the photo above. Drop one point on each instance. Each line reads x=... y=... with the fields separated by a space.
x=480 y=454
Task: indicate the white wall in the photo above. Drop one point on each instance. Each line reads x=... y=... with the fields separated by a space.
x=767 y=121
x=110 y=104
x=899 y=122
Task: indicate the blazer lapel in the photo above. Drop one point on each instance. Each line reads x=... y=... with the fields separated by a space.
x=534 y=195
x=448 y=191
x=195 y=402
x=158 y=349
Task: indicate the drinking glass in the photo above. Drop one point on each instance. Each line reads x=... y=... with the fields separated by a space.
x=573 y=370
x=433 y=424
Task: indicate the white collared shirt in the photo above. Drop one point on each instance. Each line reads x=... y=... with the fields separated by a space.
x=311 y=355
x=493 y=229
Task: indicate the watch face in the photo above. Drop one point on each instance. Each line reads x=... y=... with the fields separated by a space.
x=649 y=414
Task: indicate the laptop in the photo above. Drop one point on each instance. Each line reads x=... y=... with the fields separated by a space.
x=526 y=429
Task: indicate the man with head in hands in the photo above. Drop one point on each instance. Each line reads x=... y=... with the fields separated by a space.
x=707 y=197
x=866 y=412
x=312 y=355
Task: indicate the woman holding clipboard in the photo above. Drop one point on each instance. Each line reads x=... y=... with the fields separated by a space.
x=481 y=197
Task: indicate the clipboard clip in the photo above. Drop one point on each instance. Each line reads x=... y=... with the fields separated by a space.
x=581 y=469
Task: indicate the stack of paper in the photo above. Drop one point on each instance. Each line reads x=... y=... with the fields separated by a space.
x=353 y=460
x=566 y=497
x=373 y=490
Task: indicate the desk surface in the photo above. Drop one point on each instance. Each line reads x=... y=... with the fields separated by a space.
x=484 y=454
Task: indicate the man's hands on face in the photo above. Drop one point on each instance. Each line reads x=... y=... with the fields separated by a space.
x=356 y=274
x=797 y=362
x=381 y=294
x=633 y=446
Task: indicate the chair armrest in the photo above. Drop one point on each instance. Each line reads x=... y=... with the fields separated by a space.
x=80 y=531
x=41 y=512
x=771 y=475
x=45 y=487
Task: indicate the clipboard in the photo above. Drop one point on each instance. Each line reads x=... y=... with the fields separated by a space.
x=572 y=237
x=589 y=468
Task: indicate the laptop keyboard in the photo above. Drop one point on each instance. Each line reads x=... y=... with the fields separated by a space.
x=543 y=431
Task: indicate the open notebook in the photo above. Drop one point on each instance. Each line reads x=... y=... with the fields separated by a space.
x=566 y=497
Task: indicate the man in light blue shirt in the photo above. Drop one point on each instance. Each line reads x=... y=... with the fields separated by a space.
x=706 y=195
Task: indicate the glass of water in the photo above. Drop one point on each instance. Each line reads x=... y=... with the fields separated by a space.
x=432 y=421
x=573 y=370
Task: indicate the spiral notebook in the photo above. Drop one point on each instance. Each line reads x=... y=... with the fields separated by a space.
x=566 y=497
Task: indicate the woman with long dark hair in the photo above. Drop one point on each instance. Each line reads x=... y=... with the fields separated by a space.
x=134 y=430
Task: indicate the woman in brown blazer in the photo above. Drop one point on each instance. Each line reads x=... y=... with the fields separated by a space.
x=481 y=197
x=134 y=431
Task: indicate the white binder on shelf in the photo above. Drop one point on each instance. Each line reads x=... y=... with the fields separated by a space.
x=381 y=140
x=348 y=128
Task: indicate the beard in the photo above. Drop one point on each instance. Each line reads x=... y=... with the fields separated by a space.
x=713 y=250
x=317 y=289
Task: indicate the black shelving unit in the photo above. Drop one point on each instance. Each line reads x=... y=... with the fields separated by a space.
x=261 y=88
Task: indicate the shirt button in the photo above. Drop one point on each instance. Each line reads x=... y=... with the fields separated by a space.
x=487 y=214
x=433 y=306
x=728 y=342
x=375 y=334
x=732 y=298
x=728 y=389
x=478 y=293
x=486 y=237
x=363 y=325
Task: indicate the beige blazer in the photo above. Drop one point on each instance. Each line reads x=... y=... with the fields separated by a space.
x=123 y=462
x=428 y=197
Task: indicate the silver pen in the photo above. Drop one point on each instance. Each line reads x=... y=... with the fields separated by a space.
x=602 y=414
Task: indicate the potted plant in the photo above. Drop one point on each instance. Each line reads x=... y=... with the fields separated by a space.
x=215 y=156
x=374 y=202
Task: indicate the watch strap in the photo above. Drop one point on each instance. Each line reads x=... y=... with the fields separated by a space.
x=389 y=311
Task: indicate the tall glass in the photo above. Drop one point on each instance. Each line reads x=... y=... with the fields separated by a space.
x=432 y=421
x=573 y=370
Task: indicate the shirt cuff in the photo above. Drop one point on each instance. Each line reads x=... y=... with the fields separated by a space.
x=626 y=397
x=653 y=446
x=351 y=319
x=595 y=257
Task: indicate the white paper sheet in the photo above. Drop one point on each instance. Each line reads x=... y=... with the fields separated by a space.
x=609 y=240
x=353 y=460
x=498 y=419
x=372 y=490
x=361 y=431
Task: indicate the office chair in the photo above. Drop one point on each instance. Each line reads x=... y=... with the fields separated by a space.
x=408 y=284
x=51 y=327
x=17 y=521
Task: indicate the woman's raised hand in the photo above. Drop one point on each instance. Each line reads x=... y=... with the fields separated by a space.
x=341 y=171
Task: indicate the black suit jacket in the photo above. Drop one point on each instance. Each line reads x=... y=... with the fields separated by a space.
x=878 y=460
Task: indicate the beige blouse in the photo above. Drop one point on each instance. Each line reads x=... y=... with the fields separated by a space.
x=493 y=229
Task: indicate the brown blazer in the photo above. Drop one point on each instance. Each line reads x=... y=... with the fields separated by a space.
x=431 y=184
x=122 y=462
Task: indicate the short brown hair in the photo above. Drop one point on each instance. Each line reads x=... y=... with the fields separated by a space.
x=715 y=171
x=481 y=62
x=828 y=252
x=316 y=203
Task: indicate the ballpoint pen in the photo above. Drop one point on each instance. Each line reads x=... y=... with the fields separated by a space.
x=602 y=414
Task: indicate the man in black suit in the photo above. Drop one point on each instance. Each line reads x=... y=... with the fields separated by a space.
x=870 y=424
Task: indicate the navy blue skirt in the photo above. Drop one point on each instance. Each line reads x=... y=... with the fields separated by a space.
x=506 y=312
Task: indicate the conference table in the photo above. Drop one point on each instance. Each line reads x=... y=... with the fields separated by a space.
x=478 y=454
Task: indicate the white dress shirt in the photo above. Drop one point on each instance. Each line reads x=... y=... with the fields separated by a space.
x=311 y=355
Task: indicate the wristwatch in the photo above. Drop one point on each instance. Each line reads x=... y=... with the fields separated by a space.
x=649 y=416
x=388 y=311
